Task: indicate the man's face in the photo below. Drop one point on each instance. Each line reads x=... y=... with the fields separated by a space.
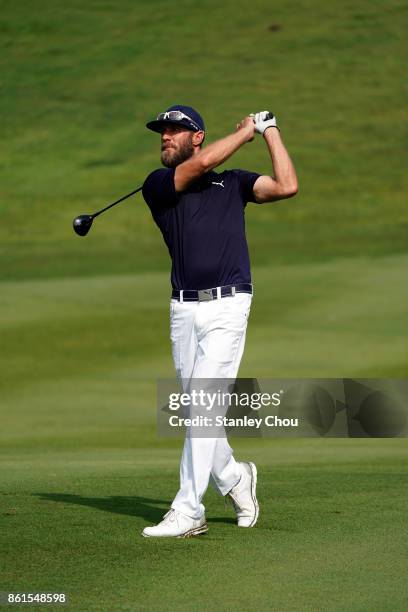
x=176 y=145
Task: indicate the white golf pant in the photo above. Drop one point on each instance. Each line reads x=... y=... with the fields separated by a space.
x=208 y=341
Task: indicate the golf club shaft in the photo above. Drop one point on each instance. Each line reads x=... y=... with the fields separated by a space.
x=117 y=202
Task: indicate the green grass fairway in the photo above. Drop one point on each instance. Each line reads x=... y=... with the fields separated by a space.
x=83 y=470
x=331 y=535
x=84 y=321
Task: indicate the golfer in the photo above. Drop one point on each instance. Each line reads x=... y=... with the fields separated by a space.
x=201 y=216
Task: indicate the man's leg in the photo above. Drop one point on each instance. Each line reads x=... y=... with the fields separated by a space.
x=184 y=346
x=225 y=472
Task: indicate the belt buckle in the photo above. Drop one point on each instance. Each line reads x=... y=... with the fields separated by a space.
x=205 y=295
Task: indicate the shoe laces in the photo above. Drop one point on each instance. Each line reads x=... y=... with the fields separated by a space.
x=170 y=516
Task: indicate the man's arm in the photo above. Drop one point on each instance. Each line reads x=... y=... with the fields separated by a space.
x=284 y=182
x=213 y=155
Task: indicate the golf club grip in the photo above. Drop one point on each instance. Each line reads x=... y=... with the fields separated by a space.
x=268 y=116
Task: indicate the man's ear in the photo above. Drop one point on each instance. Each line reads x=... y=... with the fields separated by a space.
x=198 y=138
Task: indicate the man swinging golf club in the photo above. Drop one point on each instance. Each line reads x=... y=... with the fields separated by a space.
x=201 y=216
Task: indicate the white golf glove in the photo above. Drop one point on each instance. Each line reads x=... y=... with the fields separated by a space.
x=263 y=120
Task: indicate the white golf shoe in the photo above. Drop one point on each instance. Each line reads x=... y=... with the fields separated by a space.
x=176 y=525
x=243 y=496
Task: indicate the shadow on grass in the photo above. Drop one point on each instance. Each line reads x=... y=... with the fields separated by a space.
x=222 y=519
x=144 y=507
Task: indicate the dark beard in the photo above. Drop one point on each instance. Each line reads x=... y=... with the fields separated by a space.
x=171 y=158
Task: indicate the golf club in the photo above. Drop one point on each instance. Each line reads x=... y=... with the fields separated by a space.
x=82 y=224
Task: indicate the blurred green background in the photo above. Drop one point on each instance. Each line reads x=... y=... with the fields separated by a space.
x=84 y=321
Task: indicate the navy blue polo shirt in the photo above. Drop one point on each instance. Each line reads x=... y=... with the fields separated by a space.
x=203 y=226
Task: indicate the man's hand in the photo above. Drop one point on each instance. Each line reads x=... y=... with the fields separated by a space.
x=248 y=125
x=263 y=120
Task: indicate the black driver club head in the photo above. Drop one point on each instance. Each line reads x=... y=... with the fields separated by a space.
x=82 y=224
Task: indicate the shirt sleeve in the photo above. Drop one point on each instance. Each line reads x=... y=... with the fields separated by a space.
x=159 y=190
x=246 y=184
